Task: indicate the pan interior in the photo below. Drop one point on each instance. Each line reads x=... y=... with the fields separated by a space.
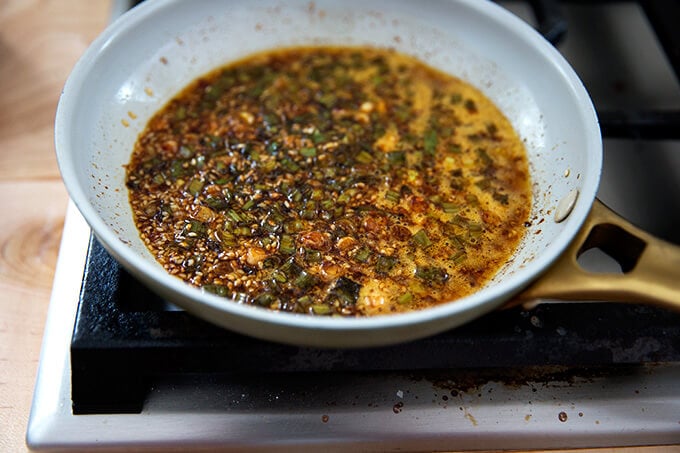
x=153 y=51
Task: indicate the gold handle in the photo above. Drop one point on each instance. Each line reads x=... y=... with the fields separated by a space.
x=651 y=267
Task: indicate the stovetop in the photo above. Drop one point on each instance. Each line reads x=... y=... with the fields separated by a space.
x=122 y=368
x=125 y=336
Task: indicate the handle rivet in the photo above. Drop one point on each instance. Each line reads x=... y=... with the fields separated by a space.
x=566 y=205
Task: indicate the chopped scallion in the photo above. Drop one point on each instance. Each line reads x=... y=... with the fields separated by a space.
x=265 y=299
x=431 y=274
x=430 y=141
x=385 y=264
x=313 y=256
x=405 y=298
x=286 y=244
x=459 y=257
x=220 y=290
x=364 y=157
x=421 y=239
x=392 y=196
x=305 y=280
x=396 y=157
x=308 y=152
x=321 y=309
x=234 y=215
x=450 y=208
x=195 y=187
x=363 y=254
x=305 y=300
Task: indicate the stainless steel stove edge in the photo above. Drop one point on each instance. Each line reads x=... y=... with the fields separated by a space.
x=368 y=412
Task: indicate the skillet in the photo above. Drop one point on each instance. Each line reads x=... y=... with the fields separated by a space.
x=149 y=54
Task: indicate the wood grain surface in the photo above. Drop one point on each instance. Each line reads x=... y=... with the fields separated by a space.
x=39 y=43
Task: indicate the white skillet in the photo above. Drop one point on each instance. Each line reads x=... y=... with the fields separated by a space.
x=150 y=53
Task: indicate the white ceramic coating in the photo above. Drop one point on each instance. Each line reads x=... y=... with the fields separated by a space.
x=150 y=53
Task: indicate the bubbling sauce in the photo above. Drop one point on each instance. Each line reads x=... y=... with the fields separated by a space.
x=331 y=181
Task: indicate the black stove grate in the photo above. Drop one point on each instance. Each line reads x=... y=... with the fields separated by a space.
x=125 y=335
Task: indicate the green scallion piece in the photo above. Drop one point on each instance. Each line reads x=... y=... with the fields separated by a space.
x=272 y=147
x=308 y=152
x=305 y=280
x=459 y=257
x=363 y=254
x=317 y=194
x=396 y=157
x=502 y=198
x=477 y=227
x=290 y=268
x=227 y=238
x=220 y=290
x=177 y=169
x=405 y=298
x=460 y=221
x=431 y=274
x=385 y=264
x=294 y=226
x=421 y=239
x=318 y=137
x=234 y=215
x=483 y=184
x=248 y=204
x=484 y=156
x=364 y=157
x=475 y=230
x=393 y=196
x=216 y=203
x=472 y=200
x=347 y=195
x=289 y=165
x=436 y=199
x=305 y=300
x=195 y=187
x=313 y=256
x=194 y=228
x=243 y=231
x=279 y=276
x=286 y=244
x=450 y=208
x=459 y=241
x=265 y=299
x=320 y=309
x=309 y=213
x=199 y=161
x=430 y=141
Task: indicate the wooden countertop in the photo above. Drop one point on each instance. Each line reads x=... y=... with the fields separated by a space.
x=39 y=43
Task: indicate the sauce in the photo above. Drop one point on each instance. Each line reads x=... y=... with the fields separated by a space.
x=331 y=181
